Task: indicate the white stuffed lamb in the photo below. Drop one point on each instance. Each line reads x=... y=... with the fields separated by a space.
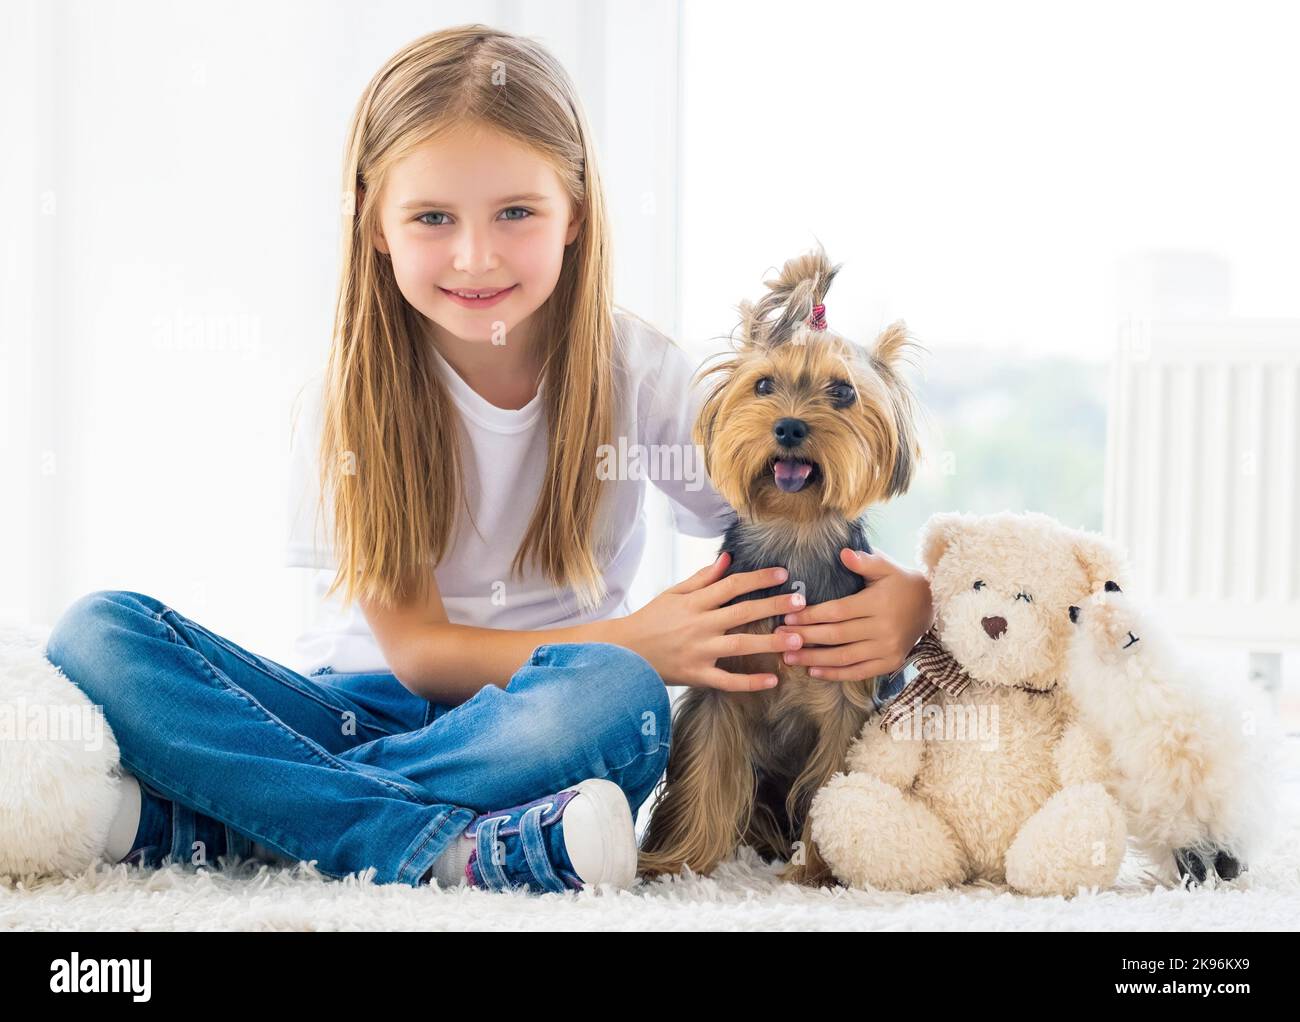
x=1194 y=763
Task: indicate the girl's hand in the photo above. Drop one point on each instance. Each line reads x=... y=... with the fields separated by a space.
x=868 y=633
x=683 y=631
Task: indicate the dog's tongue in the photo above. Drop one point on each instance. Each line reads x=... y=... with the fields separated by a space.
x=791 y=475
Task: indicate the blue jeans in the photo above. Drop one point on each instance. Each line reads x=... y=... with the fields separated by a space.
x=350 y=770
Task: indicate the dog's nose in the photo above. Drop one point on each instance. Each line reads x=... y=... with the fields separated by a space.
x=1074 y=615
x=994 y=626
x=790 y=432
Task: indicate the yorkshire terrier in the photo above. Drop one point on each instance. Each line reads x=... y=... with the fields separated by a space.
x=802 y=431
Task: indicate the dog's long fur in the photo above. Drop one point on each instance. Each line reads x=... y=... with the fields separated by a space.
x=744 y=766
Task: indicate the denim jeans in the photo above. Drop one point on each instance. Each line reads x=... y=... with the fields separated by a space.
x=350 y=770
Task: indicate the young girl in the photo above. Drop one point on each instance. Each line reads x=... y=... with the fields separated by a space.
x=478 y=371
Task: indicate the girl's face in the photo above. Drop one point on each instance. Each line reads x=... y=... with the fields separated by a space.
x=475 y=211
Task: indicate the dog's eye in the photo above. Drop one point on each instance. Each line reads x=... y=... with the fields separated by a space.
x=843 y=394
x=979 y=585
x=1111 y=587
x=1024 y=596
x=764 y=386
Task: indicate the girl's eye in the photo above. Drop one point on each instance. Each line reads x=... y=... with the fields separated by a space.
x=978 y=586
x=764 y=386
x=843 y=394
x=512 y=219
x=1024 y=596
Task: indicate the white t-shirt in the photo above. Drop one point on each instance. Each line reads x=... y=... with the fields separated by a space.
x=503 y=460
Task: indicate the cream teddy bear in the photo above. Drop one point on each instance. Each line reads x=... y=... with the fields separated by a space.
x=980 y=769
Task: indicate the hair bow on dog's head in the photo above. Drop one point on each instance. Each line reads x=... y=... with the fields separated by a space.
x=818 y=318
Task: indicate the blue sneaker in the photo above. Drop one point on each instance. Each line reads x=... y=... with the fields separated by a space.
x=579 y=836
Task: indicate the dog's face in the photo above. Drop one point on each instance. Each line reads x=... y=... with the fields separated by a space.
x=1106 y=628
x=810 y=428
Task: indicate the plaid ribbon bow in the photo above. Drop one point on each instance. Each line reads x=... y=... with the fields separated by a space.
x=818 y=318
x=937 y=671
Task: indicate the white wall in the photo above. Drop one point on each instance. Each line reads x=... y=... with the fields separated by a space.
x=983 y=168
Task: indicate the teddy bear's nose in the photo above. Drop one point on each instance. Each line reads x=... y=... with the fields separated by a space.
x=994 y=626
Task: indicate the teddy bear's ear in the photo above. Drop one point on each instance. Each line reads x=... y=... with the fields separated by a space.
x=936 y=535
x=1099 y=558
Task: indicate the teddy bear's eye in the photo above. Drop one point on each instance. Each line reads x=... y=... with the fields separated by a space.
x=765 y=386
x=979 y=585
x=1024 y=596
x=1111 y=587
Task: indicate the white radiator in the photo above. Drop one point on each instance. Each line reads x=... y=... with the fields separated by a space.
x=1202 y=480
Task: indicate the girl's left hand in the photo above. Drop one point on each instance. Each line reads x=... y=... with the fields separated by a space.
x=868 y=633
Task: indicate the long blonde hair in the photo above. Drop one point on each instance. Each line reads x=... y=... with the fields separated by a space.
x=388 y=448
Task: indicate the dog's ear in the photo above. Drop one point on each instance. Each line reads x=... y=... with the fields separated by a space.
x=892 y=349
x=937 y=535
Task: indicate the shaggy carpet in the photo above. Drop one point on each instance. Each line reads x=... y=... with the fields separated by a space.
x=743 y=894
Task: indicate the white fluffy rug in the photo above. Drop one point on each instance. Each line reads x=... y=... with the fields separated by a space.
x=742 y=895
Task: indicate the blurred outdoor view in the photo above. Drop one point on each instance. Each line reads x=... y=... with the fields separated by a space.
x=1010 y=435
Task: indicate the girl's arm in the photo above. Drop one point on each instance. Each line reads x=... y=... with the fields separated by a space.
x=447 y=663
x=681 y=633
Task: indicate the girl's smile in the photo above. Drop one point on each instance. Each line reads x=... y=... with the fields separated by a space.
x=461 y=296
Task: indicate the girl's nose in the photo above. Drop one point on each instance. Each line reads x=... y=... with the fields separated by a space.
x=474 y=252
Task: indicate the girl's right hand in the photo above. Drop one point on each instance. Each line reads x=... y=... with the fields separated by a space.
x=683 y=631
